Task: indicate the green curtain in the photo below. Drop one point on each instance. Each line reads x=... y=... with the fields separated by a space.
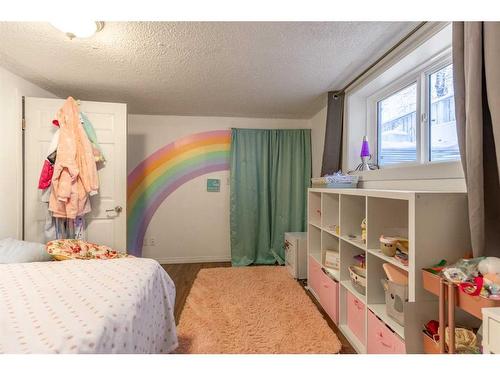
x=270 y=174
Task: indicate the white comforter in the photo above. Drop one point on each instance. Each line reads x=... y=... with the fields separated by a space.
x=87 y=306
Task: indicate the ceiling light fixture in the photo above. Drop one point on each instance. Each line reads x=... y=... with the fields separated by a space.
x=78 y=28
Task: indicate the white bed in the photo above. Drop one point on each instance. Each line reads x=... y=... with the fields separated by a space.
x=87 y=306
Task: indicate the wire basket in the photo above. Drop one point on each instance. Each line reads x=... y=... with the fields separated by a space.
x=336 y=181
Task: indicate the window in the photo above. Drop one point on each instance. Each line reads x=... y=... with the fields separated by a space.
x=442 y=126
x=397 y=127
x=405 y=108
x=415 y=117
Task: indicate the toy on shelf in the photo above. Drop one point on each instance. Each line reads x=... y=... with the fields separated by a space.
x=395 y=247
x=361 y=259
x=476 y=276
x=462 y=271
x=332 y=259
x=490 y=269
x=334 y=228
x=357 y=273
x=363 y=230
x=388 y=245
x=436 y=268
x=401 y=257
x=432 y=329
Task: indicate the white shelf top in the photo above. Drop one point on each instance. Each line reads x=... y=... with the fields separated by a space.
x=315 y=224
x=332 y=272
x=347 y=284
x=330 y=232
x=358 y=243
x=381 y=193
x=380 y=310
x=378 y=253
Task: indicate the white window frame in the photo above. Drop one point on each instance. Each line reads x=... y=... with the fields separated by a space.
x=419 y=75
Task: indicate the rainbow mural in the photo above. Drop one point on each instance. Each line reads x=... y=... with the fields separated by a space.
x=164 y=171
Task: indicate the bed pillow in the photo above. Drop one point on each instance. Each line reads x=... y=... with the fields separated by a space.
x=78 y=249
x=15 y=251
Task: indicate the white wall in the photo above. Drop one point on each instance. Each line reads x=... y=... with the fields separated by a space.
x=192 y=225
x=12 y=89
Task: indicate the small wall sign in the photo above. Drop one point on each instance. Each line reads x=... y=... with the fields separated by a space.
x=213 y=185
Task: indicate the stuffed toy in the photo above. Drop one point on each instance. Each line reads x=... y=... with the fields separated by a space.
x=490 y=269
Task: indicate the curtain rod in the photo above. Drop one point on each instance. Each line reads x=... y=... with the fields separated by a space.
x=405 y=38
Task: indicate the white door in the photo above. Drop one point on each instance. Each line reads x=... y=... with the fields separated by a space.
x=105 y=225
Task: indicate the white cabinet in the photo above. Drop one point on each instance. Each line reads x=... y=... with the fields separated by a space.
x=491 y=330
x=296 y=254
x=436 y=226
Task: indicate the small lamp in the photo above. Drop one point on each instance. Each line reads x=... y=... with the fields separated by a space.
x=365 y=157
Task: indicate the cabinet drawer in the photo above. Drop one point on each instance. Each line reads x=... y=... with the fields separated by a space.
x=380 y=339
x=290 y=261
x=493 y=335
x=329 y=296
x=356 y=316
x=290 y=254
x=314 y=275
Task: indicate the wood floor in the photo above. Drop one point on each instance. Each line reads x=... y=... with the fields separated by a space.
x=183 y=276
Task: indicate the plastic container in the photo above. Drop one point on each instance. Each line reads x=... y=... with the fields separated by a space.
x=430 y=345
x=396 y=295
x=358 y=278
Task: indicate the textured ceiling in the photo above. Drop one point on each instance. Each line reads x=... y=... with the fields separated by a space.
x=255 y=69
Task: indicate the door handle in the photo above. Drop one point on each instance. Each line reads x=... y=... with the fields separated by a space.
x=117 y=209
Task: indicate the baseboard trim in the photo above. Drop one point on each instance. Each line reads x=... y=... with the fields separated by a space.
x=202 y=259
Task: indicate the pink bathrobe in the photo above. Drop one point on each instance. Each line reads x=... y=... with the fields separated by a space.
x=75 y=172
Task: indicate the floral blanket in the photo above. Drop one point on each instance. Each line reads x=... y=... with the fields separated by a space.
x=78 y=249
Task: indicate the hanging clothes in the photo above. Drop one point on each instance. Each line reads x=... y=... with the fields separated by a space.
x=79 y=228
x=92 y=136
x=63 y=228
x=75 y=173
x=49 y=228
x=48 y=165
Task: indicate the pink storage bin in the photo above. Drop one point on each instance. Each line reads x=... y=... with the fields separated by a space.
x=329 y=296
x=356 y=316
x=380 y=339
x=314 y=275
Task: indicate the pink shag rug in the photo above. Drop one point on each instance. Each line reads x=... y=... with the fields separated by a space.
x=252 y=310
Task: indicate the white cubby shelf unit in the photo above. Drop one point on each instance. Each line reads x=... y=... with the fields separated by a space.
x=436 y=226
